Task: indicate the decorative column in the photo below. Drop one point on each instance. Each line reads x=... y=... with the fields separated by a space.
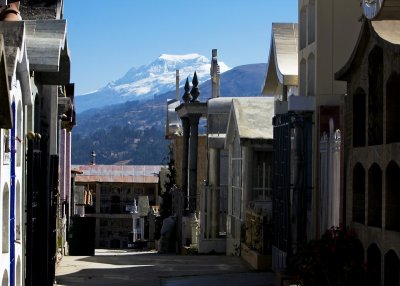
x=214 y=157
x=185 y=147
x=193 y=143
x=194 y=132
x=215 y=75
x=190 y=113
x=214 y=181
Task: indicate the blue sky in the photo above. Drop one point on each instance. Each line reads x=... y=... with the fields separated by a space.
x=107 y=38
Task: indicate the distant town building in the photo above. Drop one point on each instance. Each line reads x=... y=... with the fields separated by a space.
x=109 y=193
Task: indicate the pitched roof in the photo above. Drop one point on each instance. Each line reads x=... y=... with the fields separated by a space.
x=252 y=118
x=117 y=173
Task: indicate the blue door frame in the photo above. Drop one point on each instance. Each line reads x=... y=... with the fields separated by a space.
x=12 y=200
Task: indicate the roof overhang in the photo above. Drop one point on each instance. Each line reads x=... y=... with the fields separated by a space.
x=185 y=110
x=48 y=51
x=217 y=117
x=14 y=59
x=283 y=59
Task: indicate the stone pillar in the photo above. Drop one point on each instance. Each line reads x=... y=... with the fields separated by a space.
x=194 y=134
x=185 y=158
x=247 y=186
x=214 y=182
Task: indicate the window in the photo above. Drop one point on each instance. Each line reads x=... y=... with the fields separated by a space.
x=392 y=197
x=311 y=22
x=392 y=107
x=375 y=196
x=303 y=28
x=262 y=175
x=303 y=77
x=375 y=97
x=359 y=111
x=373 y=266
x=311 y=75
x=359 y=194
x=392 y=267
x=236 y=178
x=115 y=205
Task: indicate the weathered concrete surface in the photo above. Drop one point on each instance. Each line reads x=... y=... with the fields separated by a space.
x=123 y=268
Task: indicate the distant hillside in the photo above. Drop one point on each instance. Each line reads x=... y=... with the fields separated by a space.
x=133 y=132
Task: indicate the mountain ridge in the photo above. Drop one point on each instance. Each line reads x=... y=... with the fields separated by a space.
x=141 y=83
x=134 y=132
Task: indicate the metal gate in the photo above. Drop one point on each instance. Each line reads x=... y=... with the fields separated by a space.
x=33 y=183
x=292 y=183
x=41 y=197
x=281 y=189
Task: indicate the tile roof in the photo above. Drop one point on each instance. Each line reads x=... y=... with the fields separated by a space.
x=118 y=173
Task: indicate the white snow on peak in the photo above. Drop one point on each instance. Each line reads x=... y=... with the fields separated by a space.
x=159 y=76
x=168 y=57
x=155 y=78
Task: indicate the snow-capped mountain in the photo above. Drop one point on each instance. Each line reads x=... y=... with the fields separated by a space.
x=146 y=81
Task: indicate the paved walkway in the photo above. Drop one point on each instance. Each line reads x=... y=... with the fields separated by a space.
x=129 y=268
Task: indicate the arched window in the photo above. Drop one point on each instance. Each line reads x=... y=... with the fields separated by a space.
x=311 y=75
x=375 y=97
x=375 y=196
x=393 y=197
x=359 y=118
x=359 y=193
x=303 y=77
x=392 y=269
x=311 y=22
x=392 y=108
x=6 y=220
x=373 y=265
x=303 y=28
x=115 y=205
x=18 y=273
x=5 y=279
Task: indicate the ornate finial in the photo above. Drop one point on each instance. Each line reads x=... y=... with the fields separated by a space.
x=195 y=90
x=186 y=96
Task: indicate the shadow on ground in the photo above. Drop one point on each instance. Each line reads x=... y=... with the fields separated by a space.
x=120 y=268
